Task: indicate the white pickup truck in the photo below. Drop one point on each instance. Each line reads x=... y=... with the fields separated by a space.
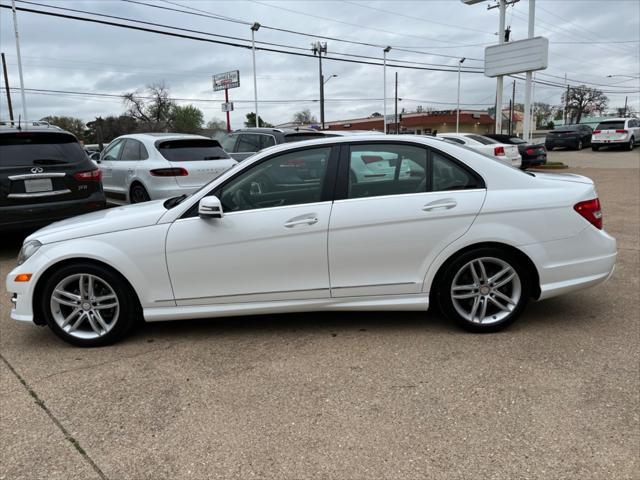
x=503 y=152
x=623 y=132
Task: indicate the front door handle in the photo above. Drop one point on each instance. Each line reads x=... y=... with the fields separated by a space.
x=446 y=203
x=303 y=221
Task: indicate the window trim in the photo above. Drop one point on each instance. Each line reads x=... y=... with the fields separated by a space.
x=328 y=189
x=341 y=191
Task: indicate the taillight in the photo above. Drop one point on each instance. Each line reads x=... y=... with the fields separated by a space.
x=590 y=210
x=622 y=131
x=596 y=131
x=497 y=151
x=530 y=151
x=90 y=176
x=169 y=172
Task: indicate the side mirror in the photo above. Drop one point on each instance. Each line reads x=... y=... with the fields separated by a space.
x=210 y=207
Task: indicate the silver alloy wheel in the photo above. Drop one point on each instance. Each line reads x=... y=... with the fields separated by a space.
x=486 y=290
x=84 y=306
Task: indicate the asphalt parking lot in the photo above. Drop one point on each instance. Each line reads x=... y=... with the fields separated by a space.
x=365 y=395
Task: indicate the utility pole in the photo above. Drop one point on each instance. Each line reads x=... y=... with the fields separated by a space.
x=526 y=133
x=6 y=87
x=566 y=106
x=319 y=48
x=396 y=114
x=15 y=29
x=512 y=107
x=254 y=28
x=384 y=88
x=500 y=80
x=625 y=98
x=460 y=62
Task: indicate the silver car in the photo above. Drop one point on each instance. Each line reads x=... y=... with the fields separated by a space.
x=150 y=166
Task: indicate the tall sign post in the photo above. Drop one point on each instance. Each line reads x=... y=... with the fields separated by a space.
x=225 y=81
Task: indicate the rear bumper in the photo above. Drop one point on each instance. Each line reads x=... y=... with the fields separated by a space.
x=17 y=217
x=617 y=141
x=534 y=161
x=575 y=263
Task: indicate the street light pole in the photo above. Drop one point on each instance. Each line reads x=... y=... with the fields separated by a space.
x=384 y=88
x=460 y=62
x=15 y=29
x=500 y=79
x=254 y=28
x=526 y=133
x=320 y=48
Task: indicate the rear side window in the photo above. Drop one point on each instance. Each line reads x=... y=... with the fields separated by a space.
x=249 y=142
x=448 y=175
x=25 y=149
x=610 y=126
x=192 y=149
x=134 y=150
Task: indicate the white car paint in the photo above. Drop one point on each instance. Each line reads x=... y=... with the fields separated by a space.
x=616 y=131
x=511 y=154
x=121 y=170
x=371 y=253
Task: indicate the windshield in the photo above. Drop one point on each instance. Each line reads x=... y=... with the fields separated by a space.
x=482 y=140
x=610 y=125
x=26 y=149
x=192 y=149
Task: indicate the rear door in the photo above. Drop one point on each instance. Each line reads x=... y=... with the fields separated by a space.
x=39 y=167
x=202 y=158
x=383 y=235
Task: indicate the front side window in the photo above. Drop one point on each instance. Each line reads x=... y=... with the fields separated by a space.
x=229 y=142
x=113 y=151
x=289 y=179
x=249 y=142
x=380 y=169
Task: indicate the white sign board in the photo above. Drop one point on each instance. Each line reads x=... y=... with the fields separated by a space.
x=226 y=80
x=516 y=57
x=227 y=107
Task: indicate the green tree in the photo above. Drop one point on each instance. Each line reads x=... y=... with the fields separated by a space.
x=304 y=117
x=584 y=100
x=70 y=124
x=152 y=108
x=251 y=121
x=186 y=119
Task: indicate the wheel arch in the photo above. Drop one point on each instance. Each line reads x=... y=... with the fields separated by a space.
x=519 y=254
x=42 y=279
x=136 y=181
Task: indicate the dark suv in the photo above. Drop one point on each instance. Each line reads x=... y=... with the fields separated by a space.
x=45 y=176
x=245 y=142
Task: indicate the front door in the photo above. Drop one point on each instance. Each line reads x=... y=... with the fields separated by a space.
x=394 y=218
x=108 y=158
x=271 y=243
x=125 y=167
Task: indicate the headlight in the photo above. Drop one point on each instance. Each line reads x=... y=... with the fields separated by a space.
x=28 y=249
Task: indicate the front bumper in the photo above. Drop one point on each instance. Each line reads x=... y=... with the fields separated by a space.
x=22 y=292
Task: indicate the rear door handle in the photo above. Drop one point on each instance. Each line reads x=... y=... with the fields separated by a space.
x=447 y=203
x=303 y=221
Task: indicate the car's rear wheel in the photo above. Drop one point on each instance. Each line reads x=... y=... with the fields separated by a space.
x=88 y=305
x=484 y=290
x=631 y=144
x=138 y=194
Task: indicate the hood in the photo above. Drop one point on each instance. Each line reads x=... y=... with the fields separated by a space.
x=104 y=221
x=564 y=177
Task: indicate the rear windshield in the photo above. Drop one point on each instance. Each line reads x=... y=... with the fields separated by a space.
x=516 y=141
x=568 y=128
x=610 y=126
x=26 y=149
x=481 y=139
x=298 y=137
x=189 y=150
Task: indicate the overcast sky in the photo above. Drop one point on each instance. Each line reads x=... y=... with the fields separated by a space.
x=69 y=55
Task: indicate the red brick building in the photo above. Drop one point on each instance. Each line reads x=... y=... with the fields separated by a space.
x=471 y=121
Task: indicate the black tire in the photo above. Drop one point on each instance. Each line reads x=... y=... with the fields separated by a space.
x=446 y=302
x=138 y=194
x=595 y=148
x=128 y=310
x=549 y=149
x=631 y=144
x=579 y=145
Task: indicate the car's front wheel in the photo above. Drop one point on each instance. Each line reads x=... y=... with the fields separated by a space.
x=88 y=305
x=484 y=290
x=579 y=145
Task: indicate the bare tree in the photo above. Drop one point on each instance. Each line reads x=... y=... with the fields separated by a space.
x=584 y=100
x=153 y=110
x=304 y=117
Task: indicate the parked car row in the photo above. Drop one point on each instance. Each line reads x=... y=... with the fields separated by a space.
x=614 y=132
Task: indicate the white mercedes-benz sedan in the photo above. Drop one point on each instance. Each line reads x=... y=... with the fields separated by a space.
x=296 y=228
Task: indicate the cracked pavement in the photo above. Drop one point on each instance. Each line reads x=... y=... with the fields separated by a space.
x=343 y=395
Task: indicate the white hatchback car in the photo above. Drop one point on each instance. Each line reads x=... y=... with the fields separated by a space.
x=619 y=132
x=293 y=229
x=508 y=154
x=149 y=166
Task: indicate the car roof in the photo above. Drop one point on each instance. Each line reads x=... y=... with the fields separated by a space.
x=155 y=136
x=276 y=130
x=39 y=129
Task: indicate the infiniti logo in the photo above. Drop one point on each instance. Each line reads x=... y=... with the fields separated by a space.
x=37 y=170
